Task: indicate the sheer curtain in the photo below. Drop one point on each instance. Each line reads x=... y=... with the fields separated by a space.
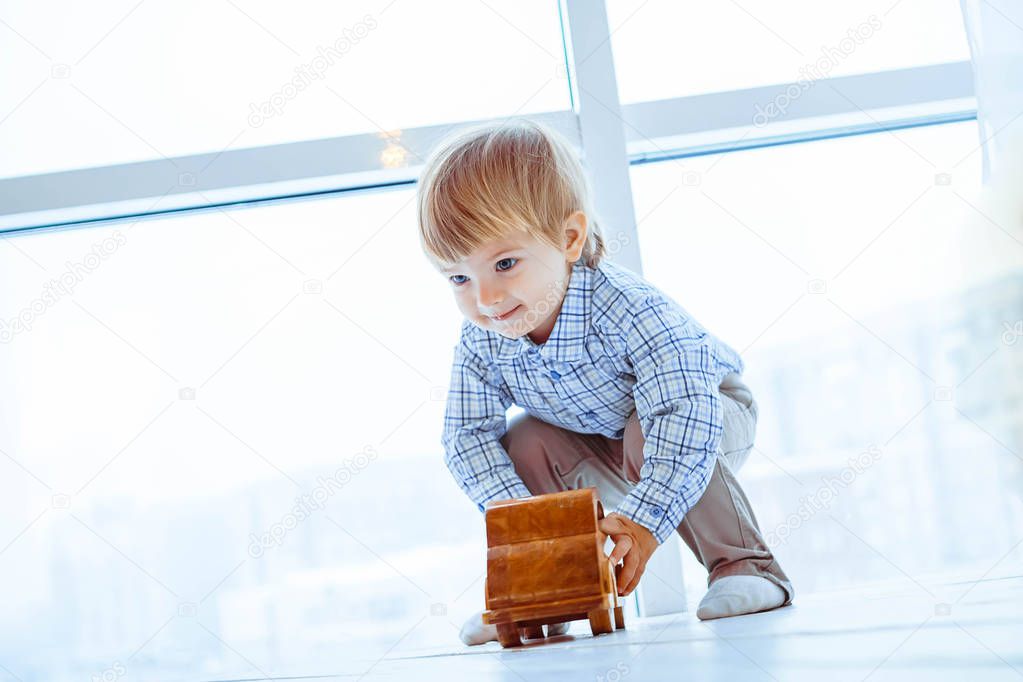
x=995 y=32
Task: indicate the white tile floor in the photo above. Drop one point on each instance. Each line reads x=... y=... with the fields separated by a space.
x=934 y=630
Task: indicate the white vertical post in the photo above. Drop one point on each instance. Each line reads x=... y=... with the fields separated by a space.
x=595 y=95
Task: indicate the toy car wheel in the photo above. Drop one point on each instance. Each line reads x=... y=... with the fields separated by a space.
x=508 y=634
x=600 y=621
x=533 y=632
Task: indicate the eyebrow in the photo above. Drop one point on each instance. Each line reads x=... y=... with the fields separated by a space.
x=492 y=257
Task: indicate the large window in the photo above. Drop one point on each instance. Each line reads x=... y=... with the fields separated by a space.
x=666 y=49
x=128 y=81
x=225 y=359
x=229 y=421
x=874 y=308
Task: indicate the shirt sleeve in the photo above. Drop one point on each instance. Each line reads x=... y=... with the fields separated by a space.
x=474 y=422
x=680 y=415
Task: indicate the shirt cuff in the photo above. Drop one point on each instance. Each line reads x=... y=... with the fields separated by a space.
x=660 y=519
x=509 y=487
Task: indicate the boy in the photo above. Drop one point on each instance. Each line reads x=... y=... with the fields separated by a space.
x=621 y=388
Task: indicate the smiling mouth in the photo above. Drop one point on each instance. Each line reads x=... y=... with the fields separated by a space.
x=506 y=315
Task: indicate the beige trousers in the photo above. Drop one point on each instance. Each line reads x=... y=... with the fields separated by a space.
x=720 y=529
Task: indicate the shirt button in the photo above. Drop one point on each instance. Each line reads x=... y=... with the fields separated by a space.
x=590 y=415
x=619 y=433
x=555 y=375
x=656 y=511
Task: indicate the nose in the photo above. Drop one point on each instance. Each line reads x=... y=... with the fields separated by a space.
x=489 y=296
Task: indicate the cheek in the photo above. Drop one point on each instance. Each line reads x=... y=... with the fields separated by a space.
x=463 y=299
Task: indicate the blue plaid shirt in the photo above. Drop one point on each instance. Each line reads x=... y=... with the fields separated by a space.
x=619 y=344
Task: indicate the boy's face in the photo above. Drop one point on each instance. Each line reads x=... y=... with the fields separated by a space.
x=515 y=286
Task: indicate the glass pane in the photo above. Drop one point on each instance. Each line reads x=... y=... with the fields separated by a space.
x=877 y=311
x=670 y=49
x=221 y=439
x=125 y=81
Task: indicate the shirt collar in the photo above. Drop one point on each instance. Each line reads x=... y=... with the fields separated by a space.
x=568 y=336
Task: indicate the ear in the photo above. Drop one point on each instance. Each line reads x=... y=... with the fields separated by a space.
x=576 y=229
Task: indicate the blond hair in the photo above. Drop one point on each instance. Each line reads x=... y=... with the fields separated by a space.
x=487 y=182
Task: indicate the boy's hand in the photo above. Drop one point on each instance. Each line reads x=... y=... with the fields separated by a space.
x=634 y=544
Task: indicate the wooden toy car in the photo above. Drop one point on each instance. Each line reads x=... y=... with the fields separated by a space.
x=546 y=564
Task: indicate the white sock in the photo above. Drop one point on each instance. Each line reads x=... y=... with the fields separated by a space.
x=475 y=632
x=555 y=629
x=735 y=595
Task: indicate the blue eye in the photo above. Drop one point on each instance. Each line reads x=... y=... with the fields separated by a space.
x=503 y=265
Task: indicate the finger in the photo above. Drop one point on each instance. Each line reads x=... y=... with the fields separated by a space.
x=639 y=568
x=632 y=582
x=608 y=529
x=621 y=549
x=628 y=571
